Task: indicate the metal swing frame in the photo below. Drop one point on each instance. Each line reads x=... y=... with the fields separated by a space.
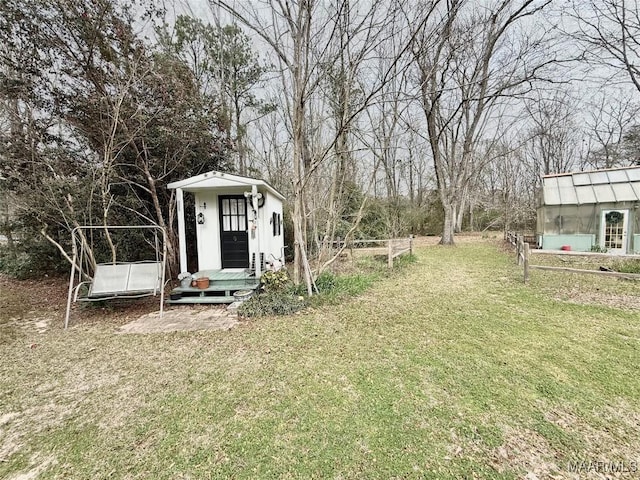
x=115 y=280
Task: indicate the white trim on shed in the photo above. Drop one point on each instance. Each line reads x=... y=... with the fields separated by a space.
x=263 y=204
x=215 y=179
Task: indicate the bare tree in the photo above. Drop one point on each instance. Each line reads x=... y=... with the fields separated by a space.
x=554 y=138
x=609 y=31
x=269 y=151
x=607 y=122
x=509 y=186
x=342 y=96
x=382 y=130
x=474 y=57
x=302 y=36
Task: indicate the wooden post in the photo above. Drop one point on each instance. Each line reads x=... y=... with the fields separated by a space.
x=410 y=244
x=390 y=255
x=182 y=236
x=526 y=262
x=518 y=250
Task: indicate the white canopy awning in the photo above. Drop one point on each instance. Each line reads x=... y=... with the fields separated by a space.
x=214 y=180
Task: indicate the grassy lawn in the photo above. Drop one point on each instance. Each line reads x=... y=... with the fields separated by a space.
x=452 y=370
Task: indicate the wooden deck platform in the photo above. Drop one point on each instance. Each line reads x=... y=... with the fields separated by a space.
x=222 y=285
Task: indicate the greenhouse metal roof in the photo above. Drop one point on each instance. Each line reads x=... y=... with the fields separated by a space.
x=598 y=186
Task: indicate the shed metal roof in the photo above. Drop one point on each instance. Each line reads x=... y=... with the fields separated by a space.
x=598 y=186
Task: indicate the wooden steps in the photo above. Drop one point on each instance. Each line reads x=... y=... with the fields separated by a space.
x=222 y=285
x=207 y=300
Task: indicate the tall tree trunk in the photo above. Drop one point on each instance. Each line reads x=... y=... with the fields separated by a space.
x=460 y=213
x=448 y=229
x=242 y=154
x=171 y=240
x=301 y=269
x=411 y=192
x=335 y=205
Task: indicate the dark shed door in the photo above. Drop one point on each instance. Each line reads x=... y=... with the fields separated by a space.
x=234 y=239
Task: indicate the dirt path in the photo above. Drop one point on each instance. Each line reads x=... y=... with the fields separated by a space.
x=184 y=318
x=39 y=306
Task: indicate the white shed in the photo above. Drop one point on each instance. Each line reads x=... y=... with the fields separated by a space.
x=238 y=222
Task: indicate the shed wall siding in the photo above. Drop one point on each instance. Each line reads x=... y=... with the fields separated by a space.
x=271 y=245
x=208 y=234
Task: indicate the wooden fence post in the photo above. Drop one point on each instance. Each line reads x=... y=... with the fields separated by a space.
x=526 y=262
x=390 y=255
x=410 y=244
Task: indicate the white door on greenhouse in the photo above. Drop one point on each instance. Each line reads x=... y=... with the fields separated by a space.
x=613 y=231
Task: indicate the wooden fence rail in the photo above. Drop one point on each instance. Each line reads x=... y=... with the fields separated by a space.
x=398 y=246
x=523 y=254
x=394 y=247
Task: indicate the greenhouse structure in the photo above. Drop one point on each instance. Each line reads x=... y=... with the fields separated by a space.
x=591 y=211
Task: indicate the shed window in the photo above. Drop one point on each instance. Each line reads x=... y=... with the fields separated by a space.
x=276 y=224
x=233 y=215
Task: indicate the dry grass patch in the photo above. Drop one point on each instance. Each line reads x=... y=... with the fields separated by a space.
x=585 y=289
